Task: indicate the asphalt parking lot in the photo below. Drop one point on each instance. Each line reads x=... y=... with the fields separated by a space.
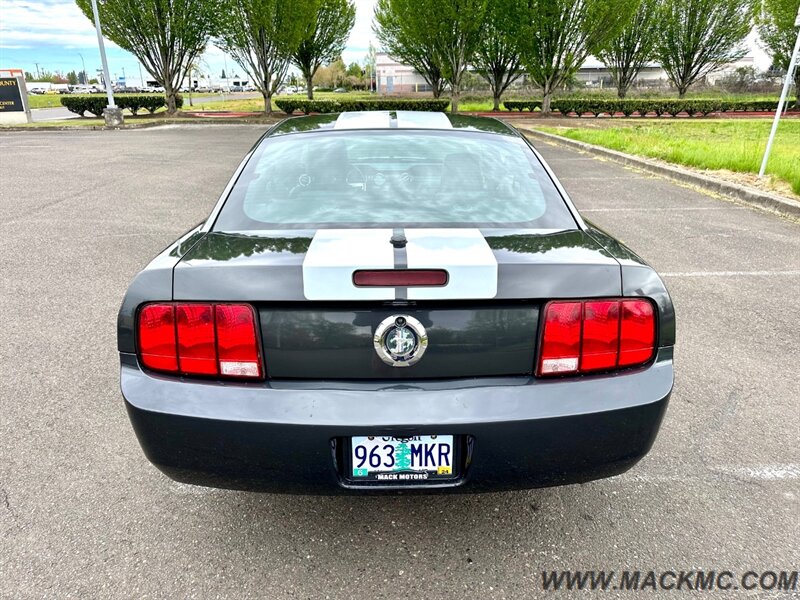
x=83 y=514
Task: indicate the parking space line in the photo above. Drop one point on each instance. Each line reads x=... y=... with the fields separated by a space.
x=731 y=274
x=782 y=472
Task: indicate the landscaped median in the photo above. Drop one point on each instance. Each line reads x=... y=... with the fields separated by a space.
x=96 y=104
x=727 y=147
x=290 y=105
x=646 y=106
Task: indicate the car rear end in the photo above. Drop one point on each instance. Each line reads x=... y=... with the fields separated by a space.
x=263 y=349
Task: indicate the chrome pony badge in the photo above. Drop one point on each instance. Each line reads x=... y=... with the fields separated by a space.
x=400 y=341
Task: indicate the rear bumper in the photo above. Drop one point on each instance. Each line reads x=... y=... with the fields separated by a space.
x=287 y=436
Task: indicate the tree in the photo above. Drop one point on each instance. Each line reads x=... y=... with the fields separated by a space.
x=778 y=33
x=561 y=34
x=72 y=78
x=699 y=36
x=262 y=35
x=29 y=76
x=325 y=38
x=331 y=75
x=627 y=53
x=406 y=45
x=498 y=58
x=165 y=35
x=449 y=30
x=402 y=456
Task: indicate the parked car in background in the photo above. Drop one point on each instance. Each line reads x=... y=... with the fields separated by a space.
x=340 y=90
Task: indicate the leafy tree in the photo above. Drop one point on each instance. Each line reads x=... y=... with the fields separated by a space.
x=354 y=70
x=700 y=36
x=262 y=35
x=72 y=78
x=165 y=35
x=449 y=30
x=498 y=58
x=561 y=34
x=29 y=76
x=406 y=44
x=331 y=75
x=778 y=33
x=627 y=53
x=325 y=38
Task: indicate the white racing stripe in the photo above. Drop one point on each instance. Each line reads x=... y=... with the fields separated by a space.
x=374 y=119
x=463 y=253
x=335 y=254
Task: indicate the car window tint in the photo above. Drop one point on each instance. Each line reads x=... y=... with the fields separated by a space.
x=390 y=178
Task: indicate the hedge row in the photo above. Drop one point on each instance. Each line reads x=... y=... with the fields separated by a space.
x=290 y=105
x=521 y=105
x=643 y=106
x=97 y=103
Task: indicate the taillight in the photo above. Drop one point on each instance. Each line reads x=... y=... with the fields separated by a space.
x=200 y=339
x=197 y=354
x=157 y=337
x=596 y=335
x=237 y=343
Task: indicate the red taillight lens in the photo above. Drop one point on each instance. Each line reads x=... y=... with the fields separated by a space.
x=637 y=333
x=561 y=342
x=596 y=335
x=200 y=339
x=400 y=278
x=197 y=353
x=600 y=335
x=157 y=337
x=236 y=341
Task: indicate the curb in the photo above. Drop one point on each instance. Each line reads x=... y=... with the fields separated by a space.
x=128 y=126
x=757 y=198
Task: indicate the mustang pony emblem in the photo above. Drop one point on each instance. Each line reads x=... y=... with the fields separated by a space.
x=400 y=340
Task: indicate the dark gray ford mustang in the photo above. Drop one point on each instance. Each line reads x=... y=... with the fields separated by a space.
x=395 y=301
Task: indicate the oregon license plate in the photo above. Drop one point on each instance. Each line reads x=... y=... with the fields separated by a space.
x=402 y=459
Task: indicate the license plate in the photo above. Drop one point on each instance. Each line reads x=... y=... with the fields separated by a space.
x=402 y=459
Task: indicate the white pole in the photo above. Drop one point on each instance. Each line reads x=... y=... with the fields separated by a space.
x=784 y=93
x=109 y=91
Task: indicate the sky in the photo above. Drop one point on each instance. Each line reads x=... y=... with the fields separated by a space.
x=55 y=34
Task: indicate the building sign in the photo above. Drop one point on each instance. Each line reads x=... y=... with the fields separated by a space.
x=13 y=100
x=10 y=95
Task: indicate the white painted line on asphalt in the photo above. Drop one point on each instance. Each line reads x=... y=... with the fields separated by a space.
x=767 y=472
x=666 y=208
x=732 y=274
x=785 y=472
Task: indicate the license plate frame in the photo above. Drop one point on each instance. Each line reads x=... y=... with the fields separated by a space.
x=404 y=477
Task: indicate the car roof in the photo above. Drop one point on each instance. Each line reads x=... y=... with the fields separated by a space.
x=390 y=119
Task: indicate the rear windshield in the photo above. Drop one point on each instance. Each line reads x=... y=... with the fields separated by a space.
x=393 y=178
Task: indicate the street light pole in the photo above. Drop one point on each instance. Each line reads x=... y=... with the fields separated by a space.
x=85 y=76
x=784 y=93
x=112 y=114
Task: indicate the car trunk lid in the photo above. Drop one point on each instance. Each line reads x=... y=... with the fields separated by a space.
x=482 y=323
